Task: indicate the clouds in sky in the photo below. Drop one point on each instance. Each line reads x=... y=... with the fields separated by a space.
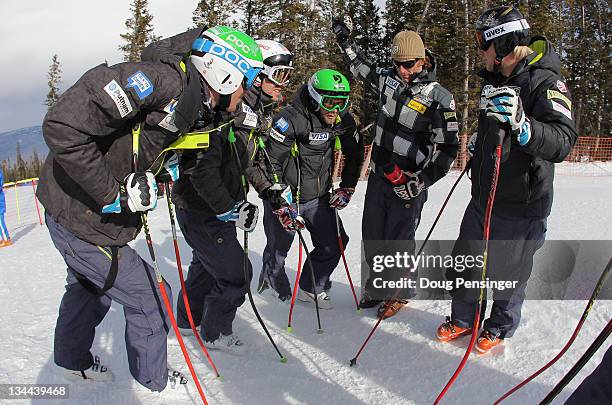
x=84 y=33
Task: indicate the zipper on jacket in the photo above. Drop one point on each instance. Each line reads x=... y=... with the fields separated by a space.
x=529 y=183
x=319 y=176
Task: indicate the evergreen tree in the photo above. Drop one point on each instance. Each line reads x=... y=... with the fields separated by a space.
x=140 y=31
x=400 y=15
x=55 y=78
x=367 y=35
x=20 y=164
x=209 y=13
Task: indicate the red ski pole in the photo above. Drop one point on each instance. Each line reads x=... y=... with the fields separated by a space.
x=36 y=201
x=487 y=228
x=183 y=289
x=380 y=318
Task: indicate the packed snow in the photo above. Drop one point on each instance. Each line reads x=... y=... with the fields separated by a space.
x=402 y=364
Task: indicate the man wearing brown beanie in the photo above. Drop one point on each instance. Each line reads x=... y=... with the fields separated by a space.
x=414 y=146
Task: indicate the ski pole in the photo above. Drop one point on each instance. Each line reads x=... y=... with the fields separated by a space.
x=183 y=289
x=247 y=278
x=294 y=293
x=341 y=246
x=316 y=300
x=380 y=318
x=481 y=296
x=585 y=313
x=601 y=338
x=158 y=276
x=262 y=146
x=36 y=201
x=300 y=249
x=162 y=288
x=340 y=243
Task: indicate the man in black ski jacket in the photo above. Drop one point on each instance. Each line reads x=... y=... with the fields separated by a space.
x=257 y=109
x=301 y=146
x=95 y=192
x=526 y=105
x=209 y=195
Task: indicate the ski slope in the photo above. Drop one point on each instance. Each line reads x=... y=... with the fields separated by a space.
x=403 y=364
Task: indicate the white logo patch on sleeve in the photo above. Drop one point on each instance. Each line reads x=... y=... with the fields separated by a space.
x=558 y=107
x=277 y=135
x=250 y=119
x=168 y=123
x=171 y=106
x=119 y=97
x=452 y=126
x=561 y=86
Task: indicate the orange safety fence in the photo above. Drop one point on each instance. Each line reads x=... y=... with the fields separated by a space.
x=590 y=156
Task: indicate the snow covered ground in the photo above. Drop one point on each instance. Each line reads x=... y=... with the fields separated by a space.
x=403 y=363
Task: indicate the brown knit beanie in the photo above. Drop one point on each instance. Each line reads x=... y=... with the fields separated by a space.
x=407 y=45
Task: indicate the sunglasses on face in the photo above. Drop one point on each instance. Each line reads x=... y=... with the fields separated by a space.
x=332 y=103
x=480 y=41
x=409 y=64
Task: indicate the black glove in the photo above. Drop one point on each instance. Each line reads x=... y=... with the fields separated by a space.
x=341 y=27
x=279 y=196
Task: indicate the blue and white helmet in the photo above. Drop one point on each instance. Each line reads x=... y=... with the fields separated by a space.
x=226 y=58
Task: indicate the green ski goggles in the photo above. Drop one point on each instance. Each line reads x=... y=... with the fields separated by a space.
x=333 y=103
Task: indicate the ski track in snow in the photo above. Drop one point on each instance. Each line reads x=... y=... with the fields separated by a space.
x=402 y=364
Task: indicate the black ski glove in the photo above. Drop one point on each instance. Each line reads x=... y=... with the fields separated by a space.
x=341 y=27
x=279 y=196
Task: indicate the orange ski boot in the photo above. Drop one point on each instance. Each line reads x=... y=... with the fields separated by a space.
x=449 y=331
x=486 y=341
x=389 y=308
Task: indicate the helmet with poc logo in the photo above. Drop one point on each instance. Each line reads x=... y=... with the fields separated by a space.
x=227 y=58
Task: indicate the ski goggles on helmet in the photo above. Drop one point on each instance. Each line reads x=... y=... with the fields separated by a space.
x=481 y=43
x=333 y=103
x=278 y=75
x=409 y=64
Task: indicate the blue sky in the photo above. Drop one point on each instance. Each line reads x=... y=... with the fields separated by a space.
x=83 y=33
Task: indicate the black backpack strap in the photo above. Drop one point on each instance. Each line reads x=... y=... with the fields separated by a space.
x=110 y=278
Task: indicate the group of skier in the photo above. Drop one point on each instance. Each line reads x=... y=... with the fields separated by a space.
x=119 y=126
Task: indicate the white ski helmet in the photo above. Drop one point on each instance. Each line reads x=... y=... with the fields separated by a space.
x=226 y=58
x=278 y=61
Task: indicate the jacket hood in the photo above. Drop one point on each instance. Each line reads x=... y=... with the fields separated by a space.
x=302 y=101
x=543 y=57
x=258 y=100
x=173 y=48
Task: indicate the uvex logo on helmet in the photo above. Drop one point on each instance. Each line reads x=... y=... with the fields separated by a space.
x=493 y=32
x=230 y=56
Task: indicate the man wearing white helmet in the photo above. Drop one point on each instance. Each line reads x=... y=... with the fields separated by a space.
x=262 y=100
x=95 y=194
x=278 y=67
x=208 y=194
